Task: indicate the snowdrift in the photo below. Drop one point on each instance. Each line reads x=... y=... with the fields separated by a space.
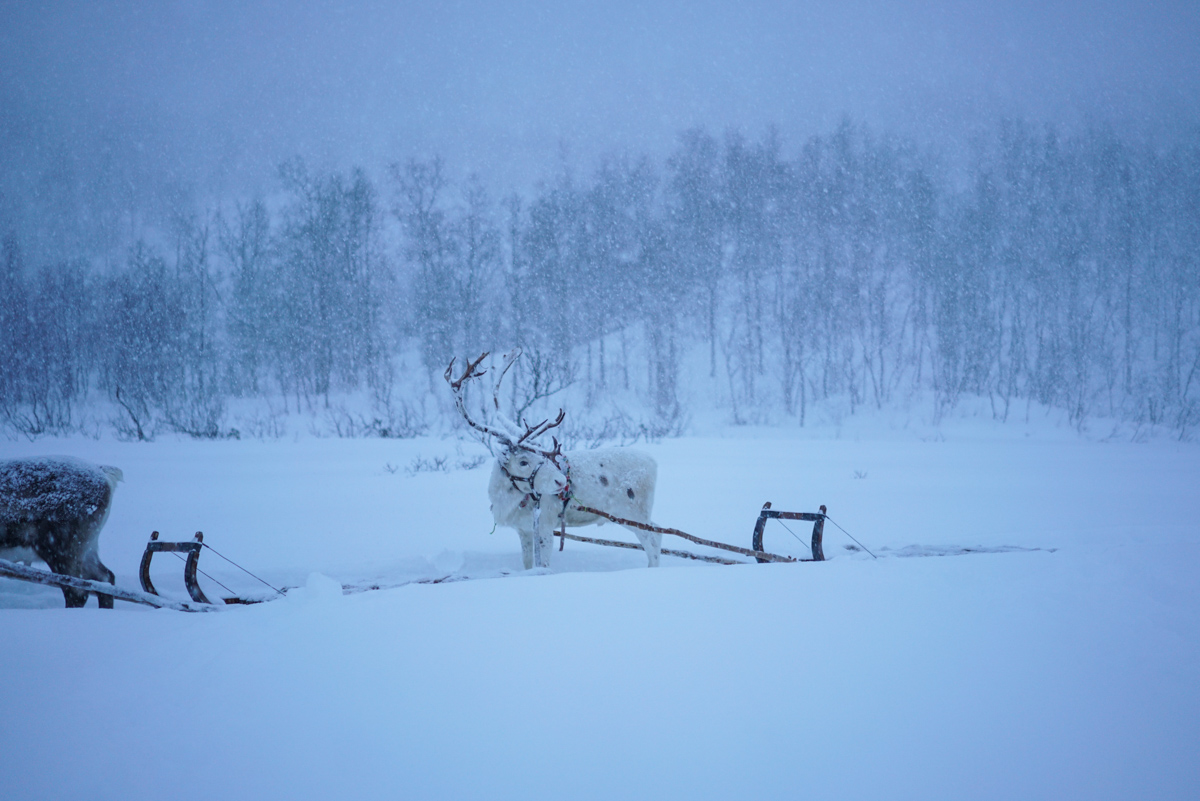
x=978 y=670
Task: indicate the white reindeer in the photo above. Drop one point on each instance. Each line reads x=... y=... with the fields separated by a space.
x=537 y=490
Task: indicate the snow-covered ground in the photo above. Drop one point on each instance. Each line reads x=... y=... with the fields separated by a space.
x=1064 y=672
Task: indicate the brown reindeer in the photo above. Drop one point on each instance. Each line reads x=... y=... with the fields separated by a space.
x=52 y=508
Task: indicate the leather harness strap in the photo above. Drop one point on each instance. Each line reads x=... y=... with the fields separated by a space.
x=563 y=494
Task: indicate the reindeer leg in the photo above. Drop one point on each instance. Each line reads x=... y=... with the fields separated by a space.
x=543 y=536
x=95 y=570
x=63 y=567
x=651 y=543
x=545 y=544
x=526 y=548
x=537 y=534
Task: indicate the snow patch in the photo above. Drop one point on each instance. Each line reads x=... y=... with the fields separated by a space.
x=318 y=588
x=448 y=562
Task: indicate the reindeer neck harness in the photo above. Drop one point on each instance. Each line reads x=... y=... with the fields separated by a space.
x=563 y=494
x=530 y=493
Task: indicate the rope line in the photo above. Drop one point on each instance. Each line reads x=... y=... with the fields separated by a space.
x=789 y=531
x=239 y=567
x=201 y=572
x=851 y=536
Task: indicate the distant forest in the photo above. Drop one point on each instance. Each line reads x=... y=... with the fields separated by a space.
x=855 y=268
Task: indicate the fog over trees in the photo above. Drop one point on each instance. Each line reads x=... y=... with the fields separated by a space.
x=851 y=268
x=216 y=216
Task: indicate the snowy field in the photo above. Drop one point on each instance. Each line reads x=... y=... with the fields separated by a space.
x=1068 y=670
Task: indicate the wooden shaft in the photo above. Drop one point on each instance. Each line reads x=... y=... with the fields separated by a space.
x=762 y=556
x=668 y=551
x=12 y=570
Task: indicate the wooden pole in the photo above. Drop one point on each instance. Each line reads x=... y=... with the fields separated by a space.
x=13 y=570
x=761 y=556
x=633 y=546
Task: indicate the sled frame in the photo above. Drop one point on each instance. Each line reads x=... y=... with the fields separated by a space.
x=192 y=548
x=818 y=530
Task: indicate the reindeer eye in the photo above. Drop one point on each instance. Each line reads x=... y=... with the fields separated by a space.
x=524 y=463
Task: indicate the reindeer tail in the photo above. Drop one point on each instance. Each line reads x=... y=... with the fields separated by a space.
x=113 y=475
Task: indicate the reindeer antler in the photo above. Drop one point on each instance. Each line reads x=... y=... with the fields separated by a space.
x=533 y=432
x=456 y=387
x=472 y=371
x=512 y=438
x=509 y=360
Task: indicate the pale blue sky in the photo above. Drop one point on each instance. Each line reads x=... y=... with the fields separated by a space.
x=228 y=88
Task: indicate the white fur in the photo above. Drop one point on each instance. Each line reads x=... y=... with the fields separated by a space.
x=602 y=479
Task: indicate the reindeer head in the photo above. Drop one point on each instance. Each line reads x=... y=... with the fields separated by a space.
x=519 y=454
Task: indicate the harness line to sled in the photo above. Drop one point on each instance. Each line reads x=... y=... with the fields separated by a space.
x=201 y=572
x=789 y=531
x=239 y=567
x=851 y=536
